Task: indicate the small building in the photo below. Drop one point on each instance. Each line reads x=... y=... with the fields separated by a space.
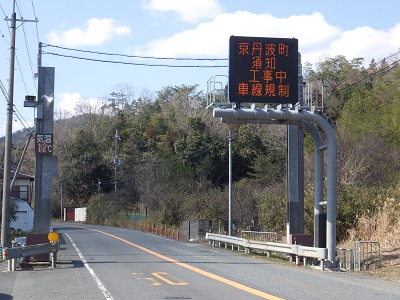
x=23 y=214
x=23 y=186
x=80 y=214
x=77 y=214
x=21 y=194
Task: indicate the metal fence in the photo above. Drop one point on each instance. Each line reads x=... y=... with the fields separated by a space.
x=367 y=255
x=260 y=236
x=364 y=256
x=345 y=258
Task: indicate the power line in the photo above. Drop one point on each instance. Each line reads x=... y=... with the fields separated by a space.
x=19 y=116
x=384 y=71
x=27 y=49
x=21 y=119
x=3 y=10
x=136 y=56
x=135 y=64
x=3 y=36
x=20 y=72
x=36 y=23
x=3 y=89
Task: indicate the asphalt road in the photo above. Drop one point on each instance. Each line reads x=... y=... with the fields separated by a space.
x=97 y=262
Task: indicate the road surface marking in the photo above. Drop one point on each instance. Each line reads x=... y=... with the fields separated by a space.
x=154 y=282
x=170 y=282
x=192 y=268
x=164 y=276
x=96 y=279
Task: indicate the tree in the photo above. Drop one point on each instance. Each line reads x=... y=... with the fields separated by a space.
x=194 y=146
x=247 y=145
x=85 y=169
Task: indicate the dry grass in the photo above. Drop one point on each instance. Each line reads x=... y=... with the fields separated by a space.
x=383 y=227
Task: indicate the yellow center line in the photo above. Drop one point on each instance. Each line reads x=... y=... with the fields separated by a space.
x=192 y=268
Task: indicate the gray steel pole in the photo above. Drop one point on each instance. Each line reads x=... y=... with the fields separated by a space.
x=5 y=221
x=318 y=167
x=260 y=114
x=61 y=200
x=230 y=185
x=295 y=179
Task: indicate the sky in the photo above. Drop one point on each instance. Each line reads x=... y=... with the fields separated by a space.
x=194 y=29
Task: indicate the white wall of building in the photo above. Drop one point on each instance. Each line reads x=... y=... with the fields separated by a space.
x=24 y=214
x=80 y=214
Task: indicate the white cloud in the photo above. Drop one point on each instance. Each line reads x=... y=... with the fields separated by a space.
x=189 y=11
x=376 y=44
x=317 y=38
x=96 y=32
x=67 y=102
x=212 y=38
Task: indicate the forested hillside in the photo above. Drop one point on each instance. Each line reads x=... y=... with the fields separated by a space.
x=172 y=157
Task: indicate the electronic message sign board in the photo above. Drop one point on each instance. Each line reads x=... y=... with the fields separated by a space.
x=263 y=70
x=44 y=143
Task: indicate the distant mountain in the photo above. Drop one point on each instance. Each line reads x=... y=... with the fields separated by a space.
x=18 y=137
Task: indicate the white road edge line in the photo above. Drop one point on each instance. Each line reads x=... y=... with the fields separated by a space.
x=96 y=279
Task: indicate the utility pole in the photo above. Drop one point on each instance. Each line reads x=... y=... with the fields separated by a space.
x=116 y=160
x=5 y=222
x=99 y=187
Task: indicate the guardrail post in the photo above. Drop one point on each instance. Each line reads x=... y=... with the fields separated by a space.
x=53 y=260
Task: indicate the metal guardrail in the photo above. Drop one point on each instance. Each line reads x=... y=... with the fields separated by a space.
x=298 y=250
x=12 y=254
